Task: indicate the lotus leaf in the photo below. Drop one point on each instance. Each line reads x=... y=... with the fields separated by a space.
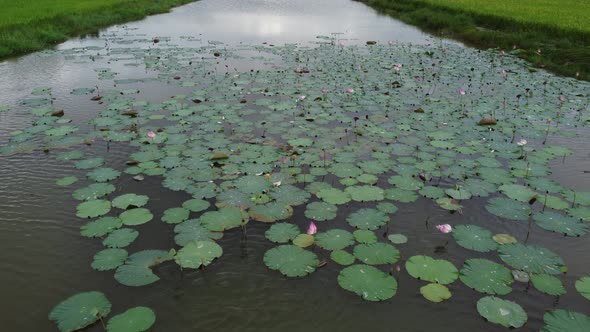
x=562 y=320
x=342 y=257
x=548 y=284
x=503 y=312
x=80 y=310
x=474 y=238
x=376 y=253
x=334 y=239
x=224 y=219
x=198 y=253
x=91 y=209
x=432 y=270
x=486 y=276
x=282 y=232
x=435 y=292
x=127 y=200
x=137 y=216
x=136 y=319
x=321 y=211
x=291 y=260
x=531 y=258
x=109 y=259
x=120 y=238
x=368 y=282
x=368 y=219
x=583 y=286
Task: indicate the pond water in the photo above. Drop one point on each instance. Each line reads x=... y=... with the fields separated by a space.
x=227 y=57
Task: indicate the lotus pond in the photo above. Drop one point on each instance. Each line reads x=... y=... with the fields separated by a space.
x=164 y=176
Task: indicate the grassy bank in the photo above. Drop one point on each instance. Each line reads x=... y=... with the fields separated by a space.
x=32 y=25
x=551 y=34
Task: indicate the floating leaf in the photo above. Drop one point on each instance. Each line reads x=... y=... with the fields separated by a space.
x=503 y=312
x=368 y=282
x=583 y=286
x=435 y=292
x=80 y=310
x=198 y=253
x=66 y=181
x=303 y=240
x=548 y=284
x=474 y=238
x=137 y=216
x=518 y=192
x=533 y=259
x=369 y=219
x=103 y=174
x=224 y=219
x=376 y=253
x=282 y=232
x=397 y=238
x=137 y=268
x=93 y=191
x=342 y=257
x=432 y=270
x=365 y=193
x=127 y=200
x=334 y=196
x=271 y=212
x=91 y=209
x=120 y=238
x=556 y=222
x=321 y=211
x=334 y=239
x=192 y=230
x=175 y=215
x=196 y=205
x=562 y=320
x=365 y=236
x=291 y=260
x=486 y=276
x=504 y=239
x=100 y=227
x=109 y=259
x=136 y=319
x=509 y=209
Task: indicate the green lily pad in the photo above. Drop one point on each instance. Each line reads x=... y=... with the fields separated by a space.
x=291 y=260
x=100 y=227
x=562 y=320
x=509 y=209
x=504 y=239
x=449 y=204
x=435 y=292
x=432 y=270
x=303 y=240
x=458 y=194
x=103 y=174
x=486 y=276
x=368 y=219
x=120 y=238
x=342 y=257
x=503 y=312
x=531 y=258
x=321 y=211
x=271 y=212
x=66 y=181
x=91 y=209
x=583 y=286
x=558 y=223
x=368 y=282
x=224 y=219
x=80 y=310
x=518 y=192
x=89 y=163
x=136 y=319
x=137 y=216
x=282 y=232
x=376 y=253
x=196 y=205
x=334 y=239
x=548 y=284
x=127 y=200
x=175 y=215
x=137 y=270
x=334 y=196
x=198 y=253
x=192 y=230
x=397 y=238
x=365 y=193
x=109 y=259
x=93 y=191
x=364 y=236
x=474 y=238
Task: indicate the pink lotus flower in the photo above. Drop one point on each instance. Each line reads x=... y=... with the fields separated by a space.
x=341 y=44
x=461 y=92
x=350 y=90
x=312 y=229
x=397 y=67
x=324 y=89
x=301 y=98
x=444 y=228
x=561 y=98
x=283 y=159
x=151 y=134
x=298 y=69
x=502 y=52
x=503 y=72
x=391 y=42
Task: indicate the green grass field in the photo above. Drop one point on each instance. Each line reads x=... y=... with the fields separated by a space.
x=31 y=25
x=571 y=15
x=550 y=34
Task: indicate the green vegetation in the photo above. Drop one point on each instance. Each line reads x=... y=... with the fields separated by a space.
x=28 y=25
x=551 y=34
